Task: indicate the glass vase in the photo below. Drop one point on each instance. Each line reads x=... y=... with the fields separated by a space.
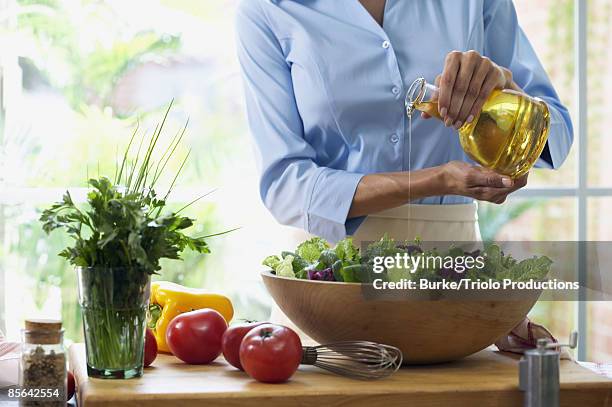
x=114 y=305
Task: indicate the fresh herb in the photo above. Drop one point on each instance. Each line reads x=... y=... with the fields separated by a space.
x=123 y=224
x=120 y=236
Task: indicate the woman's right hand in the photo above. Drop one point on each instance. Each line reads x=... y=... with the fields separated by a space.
x=461 y=178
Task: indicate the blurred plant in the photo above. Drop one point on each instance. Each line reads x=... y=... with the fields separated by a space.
x=42 y=265
x=493 y=218
x=84 y=47
x=560 y=28
x=80 y=49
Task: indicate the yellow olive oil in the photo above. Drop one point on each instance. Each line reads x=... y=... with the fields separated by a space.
x=508 y=135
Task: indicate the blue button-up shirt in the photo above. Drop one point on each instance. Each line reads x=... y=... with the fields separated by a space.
x=325 y=85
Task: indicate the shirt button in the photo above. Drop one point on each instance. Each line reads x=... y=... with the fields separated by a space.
x=394 y=138
x=386 y=44
x=395 y=90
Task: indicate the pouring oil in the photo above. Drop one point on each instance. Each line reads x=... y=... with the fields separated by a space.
x=509 y=134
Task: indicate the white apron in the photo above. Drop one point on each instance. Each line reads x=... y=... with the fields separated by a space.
x=431 y=223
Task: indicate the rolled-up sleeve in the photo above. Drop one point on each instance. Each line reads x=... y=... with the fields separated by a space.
x=507 y=45
x=295 y=189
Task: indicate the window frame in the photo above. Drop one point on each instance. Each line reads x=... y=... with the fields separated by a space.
x=581 y=192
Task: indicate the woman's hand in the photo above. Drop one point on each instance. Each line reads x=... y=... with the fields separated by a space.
x=461 y=178
x=465 y=84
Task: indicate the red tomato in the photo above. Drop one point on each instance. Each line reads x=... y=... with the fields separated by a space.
x=231 y=340
x=70 y=385
x=150 y=349
x=271 y=353
x=195 y=337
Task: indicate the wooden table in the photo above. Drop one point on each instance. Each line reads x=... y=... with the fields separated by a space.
x=486 y=379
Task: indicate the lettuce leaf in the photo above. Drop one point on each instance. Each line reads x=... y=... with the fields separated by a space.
x=398 y=274
x=353 y=273
x=382 y=248
x=310 y=250
x=272 y=262
x=535 y=268
x=299 y=264
x=500 y=266
x=347 y=252
x=285 y=268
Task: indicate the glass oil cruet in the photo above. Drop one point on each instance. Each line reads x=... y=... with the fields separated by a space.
x=509 y=134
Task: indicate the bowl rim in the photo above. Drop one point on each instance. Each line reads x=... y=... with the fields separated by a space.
x=268 y=273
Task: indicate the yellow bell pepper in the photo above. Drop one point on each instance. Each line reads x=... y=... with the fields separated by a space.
x=174 y=299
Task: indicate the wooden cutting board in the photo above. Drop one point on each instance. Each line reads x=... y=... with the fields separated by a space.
x=487 y=378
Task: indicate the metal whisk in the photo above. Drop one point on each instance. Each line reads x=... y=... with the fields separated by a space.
x=356 y=359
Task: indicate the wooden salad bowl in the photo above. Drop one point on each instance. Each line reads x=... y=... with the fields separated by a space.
x=426 y=330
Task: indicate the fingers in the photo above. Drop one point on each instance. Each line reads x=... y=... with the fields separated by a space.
x=499 y=199
x=466 y=82
x=495 y=194
x=468 y=64
x=490 y=82
x=520 y=182
x=475 y=91
x=479 y=183
x=480 y=177
x=447 y=81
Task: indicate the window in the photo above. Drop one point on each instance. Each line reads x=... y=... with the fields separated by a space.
x=73 y=76
x=569 y=204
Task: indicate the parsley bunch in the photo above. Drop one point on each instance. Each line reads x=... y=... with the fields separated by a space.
x=123 y=224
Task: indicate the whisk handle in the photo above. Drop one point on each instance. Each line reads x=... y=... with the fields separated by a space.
x=309 y=355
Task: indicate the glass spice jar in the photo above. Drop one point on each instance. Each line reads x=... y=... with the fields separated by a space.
x=42 y=373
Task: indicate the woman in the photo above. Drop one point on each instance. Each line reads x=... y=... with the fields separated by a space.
x=325 y=82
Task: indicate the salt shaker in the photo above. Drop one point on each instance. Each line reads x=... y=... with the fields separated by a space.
x=539 y=373
x=42 y=370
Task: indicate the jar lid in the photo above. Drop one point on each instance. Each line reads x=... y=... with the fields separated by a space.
x=43 y=331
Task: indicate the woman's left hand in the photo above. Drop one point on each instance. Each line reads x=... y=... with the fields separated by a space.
x=465 y=84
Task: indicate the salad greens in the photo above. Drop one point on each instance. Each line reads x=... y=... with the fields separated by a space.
x=316 y=259
x=310 y=250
